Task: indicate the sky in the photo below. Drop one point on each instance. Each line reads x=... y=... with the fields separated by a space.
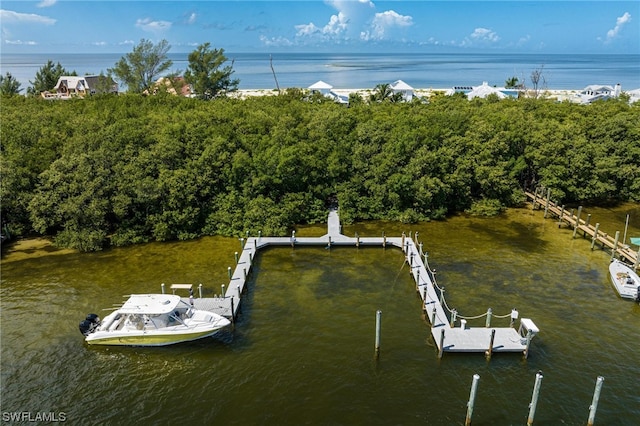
x=88 y=26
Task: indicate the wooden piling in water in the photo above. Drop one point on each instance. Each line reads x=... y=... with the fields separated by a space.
x=472 y=399
x=534 y=398
x=594 y=402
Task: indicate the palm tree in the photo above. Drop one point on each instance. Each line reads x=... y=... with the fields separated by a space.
x=381 y=92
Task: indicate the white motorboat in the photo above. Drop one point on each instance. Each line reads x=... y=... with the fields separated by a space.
x=625 y=280
x=152 y=320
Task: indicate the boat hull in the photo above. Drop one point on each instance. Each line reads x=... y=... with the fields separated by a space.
x=147 y=339
x=625 y=280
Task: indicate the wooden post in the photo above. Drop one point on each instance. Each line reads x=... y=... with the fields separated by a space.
x=526 y=349
x=237 y=258
x=488 y=323
x=594 y=402
x=433 y=316
x=244 y=273
x=233 y=316
x=546 y=207
x=490 y=351
x=420 y=248
x=239 y=292
x=415 y=237
x=162 y=287
x=424 y=298
x=615 y=245
x=200 y=290
x=378 y=328
x=595 y=236
x=561 y=217
x=454 y=314
x=229 y=272
x=293 y=238
x=472 y=399
x=357 y=240
x=534 y=398
x=587 y=225
x=242 y=243
x=577 y=225
x=441 y=349
x=442 y=295
x=223 y=293
x=417 y=278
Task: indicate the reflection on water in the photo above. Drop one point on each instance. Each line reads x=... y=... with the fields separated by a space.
x=302 y=350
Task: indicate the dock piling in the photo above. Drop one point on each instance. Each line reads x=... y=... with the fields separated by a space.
x=378 y=330
x=237 y=257
x=534 y=398
x=200 y=290
x=441 y=350
x=162 y=287
x=489 y=313
x=223 y=293
x=472 y=399
x=594 y=403
x=577 y=224
x=454 y=314
x=229 y=272
x=490 y=350
x=615 y=245
x=595 y=236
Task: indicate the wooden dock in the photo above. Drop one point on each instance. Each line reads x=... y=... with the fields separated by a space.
x=447 y=334
x=578 y=224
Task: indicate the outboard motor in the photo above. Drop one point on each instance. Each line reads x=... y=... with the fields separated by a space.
x=89 y=324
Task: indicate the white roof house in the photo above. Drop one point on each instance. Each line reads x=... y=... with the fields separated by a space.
x=327 y=90
x=400 y=86
x=595 y=92
x=72 y=85
x=321 y=86
x=485 y=90
x=634 y=95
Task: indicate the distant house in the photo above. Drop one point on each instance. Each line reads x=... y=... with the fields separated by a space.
x=596 y=92
x=327 y=90
x=80 y=86
x=403 y=88
x=484 y=90
x=174 y=86
x=634 y=95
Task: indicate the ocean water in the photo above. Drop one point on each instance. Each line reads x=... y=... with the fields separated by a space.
x=366 y=70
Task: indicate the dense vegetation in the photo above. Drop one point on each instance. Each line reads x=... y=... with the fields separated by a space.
x=126 y=169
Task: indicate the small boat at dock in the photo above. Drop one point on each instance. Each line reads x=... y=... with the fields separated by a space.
x=625 y=280
x=152 y=320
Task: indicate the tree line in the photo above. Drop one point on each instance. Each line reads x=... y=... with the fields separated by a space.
x=139 y=71
x=116 y=170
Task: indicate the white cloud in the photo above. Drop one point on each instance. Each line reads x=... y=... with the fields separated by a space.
x=484 y=34
x=191 y=19
x=99 y=43
x=383 y=22
x=148 y=25
x=47 y=3
x=9 y=16
x=127 y=42
x=355 y=19
x=620 y=22
x=275 y=41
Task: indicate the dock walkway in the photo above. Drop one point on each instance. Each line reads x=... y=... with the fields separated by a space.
x=447 y=336
x=578 y=224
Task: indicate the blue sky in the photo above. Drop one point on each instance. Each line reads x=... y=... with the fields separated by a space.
x=65 y=26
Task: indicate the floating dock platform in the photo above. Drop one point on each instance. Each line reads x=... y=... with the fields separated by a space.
x=449 y=331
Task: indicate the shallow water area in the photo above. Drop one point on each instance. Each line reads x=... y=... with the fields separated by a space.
x=302 y=350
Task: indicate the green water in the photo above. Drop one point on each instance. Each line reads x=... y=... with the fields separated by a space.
x=302 y=350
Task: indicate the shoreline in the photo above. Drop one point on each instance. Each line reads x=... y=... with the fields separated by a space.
x=558 y=94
